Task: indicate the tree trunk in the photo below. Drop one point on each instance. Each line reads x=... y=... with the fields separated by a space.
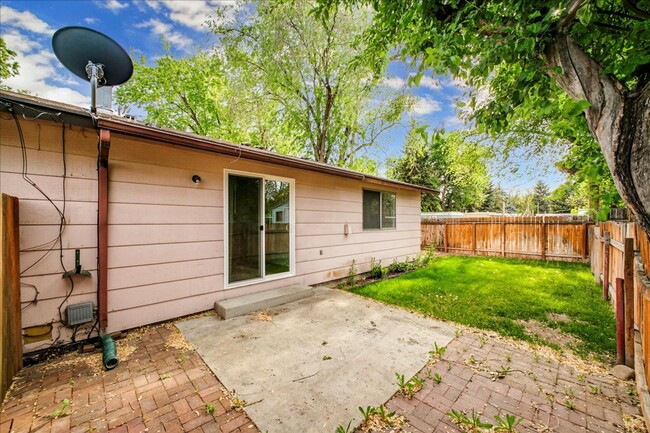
x=618 y=119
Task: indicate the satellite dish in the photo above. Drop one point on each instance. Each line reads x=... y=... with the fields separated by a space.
x=92 y=56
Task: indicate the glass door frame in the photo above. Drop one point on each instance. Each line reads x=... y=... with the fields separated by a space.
x=292 y=221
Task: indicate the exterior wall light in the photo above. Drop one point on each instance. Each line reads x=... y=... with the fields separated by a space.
x=196 y=179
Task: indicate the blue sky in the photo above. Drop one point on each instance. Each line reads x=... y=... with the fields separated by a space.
x=138 y=25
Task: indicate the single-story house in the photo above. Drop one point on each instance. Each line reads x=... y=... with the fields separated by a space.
x=167 y=222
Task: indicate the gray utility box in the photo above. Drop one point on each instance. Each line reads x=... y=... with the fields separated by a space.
x=79 y=313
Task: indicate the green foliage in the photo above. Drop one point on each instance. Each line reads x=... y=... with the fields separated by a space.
x=539 y=198
x=319 y=72
x=437 y=377
x=352 y=274
x=400 y=267
x=447 y=162
x=348 y=429
x=209 y=408
x=408 y=388
x=377 y=271
x=473 y=424
x=63 y=410
x=367 y=412
x=8 y=66
x=437 y=351
x=507 y=424
x=470 y=291
x=499 y=50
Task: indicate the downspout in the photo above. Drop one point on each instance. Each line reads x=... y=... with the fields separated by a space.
x=109 y=358
x=102 y=228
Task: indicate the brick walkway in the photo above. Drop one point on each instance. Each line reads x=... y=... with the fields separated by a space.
x=158 y=388
x=549 y=395
x=163 y=387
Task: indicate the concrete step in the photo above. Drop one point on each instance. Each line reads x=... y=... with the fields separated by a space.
x=258 y=301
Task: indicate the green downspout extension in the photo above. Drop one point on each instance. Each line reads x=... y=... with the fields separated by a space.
x=110 y=353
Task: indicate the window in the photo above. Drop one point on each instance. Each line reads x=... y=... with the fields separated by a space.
x=379 y=209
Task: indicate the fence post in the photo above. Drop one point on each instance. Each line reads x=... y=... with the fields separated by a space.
x=620 y=322
x=444 y=235
x=503 y=239
x=628 y=273
x=606 y=266
x=585 y=252
x=474 y=238
x=543 y=240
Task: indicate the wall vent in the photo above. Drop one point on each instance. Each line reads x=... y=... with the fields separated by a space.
x=79 y=313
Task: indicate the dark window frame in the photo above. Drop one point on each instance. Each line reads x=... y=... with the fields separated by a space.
x=381 y=217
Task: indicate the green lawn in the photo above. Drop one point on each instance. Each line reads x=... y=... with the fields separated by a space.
x=493 y=293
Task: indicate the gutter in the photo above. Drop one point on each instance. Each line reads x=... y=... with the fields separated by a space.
x=177 y=138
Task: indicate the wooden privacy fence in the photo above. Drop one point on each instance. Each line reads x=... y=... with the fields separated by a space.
x=11 y=345
x=621 y=260
x=545 y=238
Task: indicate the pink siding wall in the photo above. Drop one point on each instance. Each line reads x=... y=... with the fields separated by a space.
x=166 y=234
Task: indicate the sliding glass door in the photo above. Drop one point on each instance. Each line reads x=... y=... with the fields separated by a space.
x=259 y=220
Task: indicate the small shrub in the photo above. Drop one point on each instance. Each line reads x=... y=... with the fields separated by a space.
x=352 y=274
x=376 y=270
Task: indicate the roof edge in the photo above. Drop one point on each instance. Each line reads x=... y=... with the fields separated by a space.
x=28 y=104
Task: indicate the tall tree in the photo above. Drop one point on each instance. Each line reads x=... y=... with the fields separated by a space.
x=8 y=66
x=496 y=200
x=597 y=52
x=444 y=161
x=540 y=198
x=320 y=72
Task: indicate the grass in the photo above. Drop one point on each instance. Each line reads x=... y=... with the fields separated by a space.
x=493 y=294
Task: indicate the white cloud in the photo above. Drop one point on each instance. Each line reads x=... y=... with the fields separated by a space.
x=18 y=42
x=166 y=30
x=192 y=14
x=430 y=83
x=24 y=20
x=425 y=105
x=39 y=70
x=393 y=82
x=36 y=69
x=112 y=5
x=90 y=20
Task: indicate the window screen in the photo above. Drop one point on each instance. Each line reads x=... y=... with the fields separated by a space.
x=379 y=209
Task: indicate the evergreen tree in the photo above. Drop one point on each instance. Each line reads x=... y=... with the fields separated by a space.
x=540 y=203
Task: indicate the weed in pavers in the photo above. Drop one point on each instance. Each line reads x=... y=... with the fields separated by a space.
x=348 y=429
x=581 y=377
x=507 y=424
x=437 y=378
x=209 y=408
x=326 y=357
x=63 y=410
x=570 y=404
x=500 y=373
x=408 y=388
x=473 y=423
x=437 y=351
x=595 y=389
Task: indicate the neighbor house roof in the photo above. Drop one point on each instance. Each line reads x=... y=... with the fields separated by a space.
x=30 y=105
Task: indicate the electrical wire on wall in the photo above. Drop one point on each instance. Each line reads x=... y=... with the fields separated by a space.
x=58 y=239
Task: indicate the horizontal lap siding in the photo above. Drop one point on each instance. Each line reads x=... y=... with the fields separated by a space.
x=39 y=221
x=166 y=234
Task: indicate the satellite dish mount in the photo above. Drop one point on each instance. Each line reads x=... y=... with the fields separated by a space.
x=92 y=56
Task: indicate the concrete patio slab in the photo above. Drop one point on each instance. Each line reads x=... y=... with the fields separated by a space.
x=318 y=359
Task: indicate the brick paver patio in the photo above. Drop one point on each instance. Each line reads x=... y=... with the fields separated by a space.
x=158 y=388
x=163 y=387
x=550 y=395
